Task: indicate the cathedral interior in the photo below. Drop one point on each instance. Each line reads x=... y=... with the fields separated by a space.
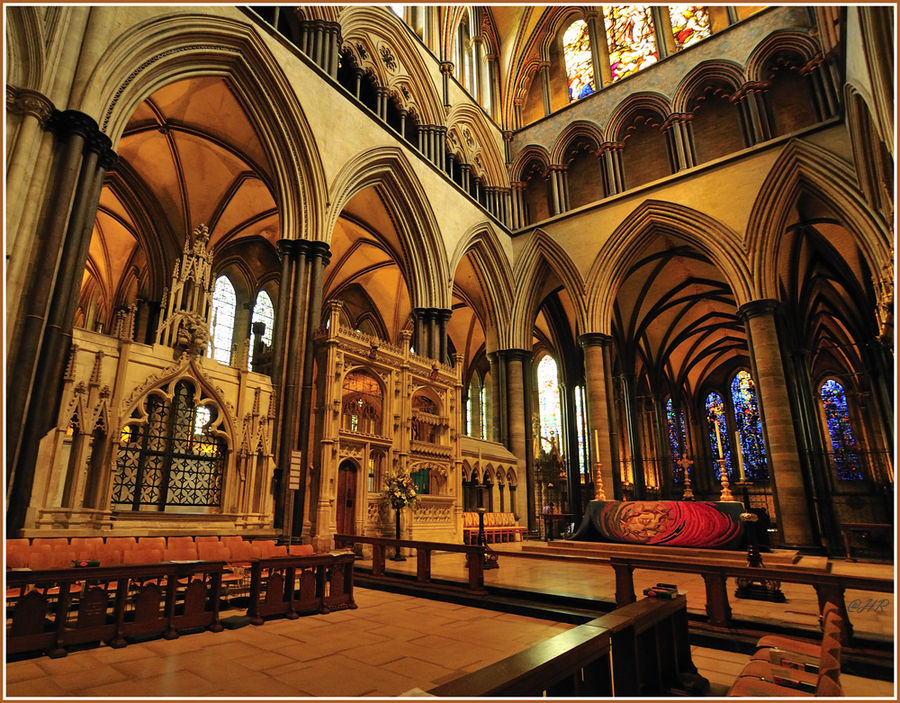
x=263 y=260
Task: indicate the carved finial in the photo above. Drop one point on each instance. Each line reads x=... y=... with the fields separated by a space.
x=95 y=373
x=70 y=368
x=271 y=413
x=256 y=401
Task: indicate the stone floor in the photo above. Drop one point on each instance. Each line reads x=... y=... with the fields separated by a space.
x=390 y=645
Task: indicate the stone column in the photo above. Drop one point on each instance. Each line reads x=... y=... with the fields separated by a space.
x=446 y=71
x=596 y=377
x=516 y=361
x=38 y=354
x=633 y=435
x=497 y=401
x=293 y=259
x=443 y=317
x=786 y=472
x=544 y=69
x=318 y=255
x=750 y=99
x=662 y=26
x=599 y=48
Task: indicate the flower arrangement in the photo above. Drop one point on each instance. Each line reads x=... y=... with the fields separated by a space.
x=400 y=490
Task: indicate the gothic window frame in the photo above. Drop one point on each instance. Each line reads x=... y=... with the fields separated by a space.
x=215 y=350
x=268 y=335
x=546 y=440
x=363 y=403
x=570 y=62
x=162 y=457
x=843 y=477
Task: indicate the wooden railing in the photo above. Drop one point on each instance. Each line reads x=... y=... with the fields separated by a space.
x=640 y=649
x=147 y=599
x=381 y=545
x=54 y=609
x=828 y=586
x=290 y=586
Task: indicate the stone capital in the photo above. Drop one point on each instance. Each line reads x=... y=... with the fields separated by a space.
x=757 y=308
x=21 y=101
x=522 y=355
x=69 y=122
x=318 y=249
x=446 y=67
x=594 y=339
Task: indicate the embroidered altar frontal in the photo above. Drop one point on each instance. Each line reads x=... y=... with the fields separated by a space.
x=672 y=523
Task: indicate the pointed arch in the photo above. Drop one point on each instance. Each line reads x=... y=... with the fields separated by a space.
x=580 y=129
x=655 y=103
x=532 y=152
x=483 y=150
x=715 y=239
x=492 y=265
x=374 y=28
x=780 y=42
x=171 y=47
x=705 y=73
x=541 y=254
x=805 y=166
x=424 y=257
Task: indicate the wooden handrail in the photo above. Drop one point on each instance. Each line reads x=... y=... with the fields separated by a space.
x=474 y=558
x=639 y=649
x=828 y=586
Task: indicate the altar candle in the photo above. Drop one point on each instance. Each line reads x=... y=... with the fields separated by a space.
x=719 y=441
x=596 y=446
x=740 y=458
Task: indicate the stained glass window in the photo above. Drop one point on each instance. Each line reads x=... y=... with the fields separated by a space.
x=222 y=320
x=629 y=33
x=675 y=432
x=548 y=401
x=263 y=311
x=751 y=458
x=469 y=410
x=840 y=432
x=483 y=401
x=579 y=64
x=690 y=24
x=718 y=434
x=580 y=426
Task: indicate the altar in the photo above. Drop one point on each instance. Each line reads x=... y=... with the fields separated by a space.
x=708 y=525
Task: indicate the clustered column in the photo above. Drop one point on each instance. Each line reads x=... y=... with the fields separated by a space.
x=518 y=414
x=430 y=333
x=611 y=168
x=754 y=118
x=321 y=41
x=39 y=346
x=778 y=423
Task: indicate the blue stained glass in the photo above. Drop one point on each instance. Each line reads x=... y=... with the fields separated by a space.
x=840 y=431
x=749 y=427
x=579 y=64
x=548 y=400
x=718 y=434
x=675 y=432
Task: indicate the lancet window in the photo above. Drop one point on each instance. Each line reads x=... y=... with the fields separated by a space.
x=263 y=311
x=549 y=403
x=842 y=447
x=718 y=435
x=690 y=24
x=224 y=304
x=579 y=64
x=676 y=437
x=751 y=455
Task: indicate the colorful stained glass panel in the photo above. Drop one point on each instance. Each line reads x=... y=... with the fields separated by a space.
x=548 y=402
x=752 y=457
x=690 y=24
x=579 y=64
x=718 y=435
x=629 y=34
x=840 y=432
x=675 y=432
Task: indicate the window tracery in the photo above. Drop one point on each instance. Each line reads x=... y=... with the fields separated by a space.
x=549 y=403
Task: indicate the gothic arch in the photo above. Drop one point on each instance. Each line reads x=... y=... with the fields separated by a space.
x=716 y=72
x=25 y=45
x=655 y=103
x=424 y=256
x=540 y=255
x=781 y=42
x=483 y=151
x=806 y=166
x=722 y=244
x=532 y=152
x=492 y=264
x=377 y=28
x=174 y=47
x=582 y=129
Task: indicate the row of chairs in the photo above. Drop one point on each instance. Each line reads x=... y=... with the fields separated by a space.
x=788 y=667
x=58 y=553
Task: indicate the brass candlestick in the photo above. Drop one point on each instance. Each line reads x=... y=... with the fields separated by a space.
x=725 y=495
x=685 y=465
